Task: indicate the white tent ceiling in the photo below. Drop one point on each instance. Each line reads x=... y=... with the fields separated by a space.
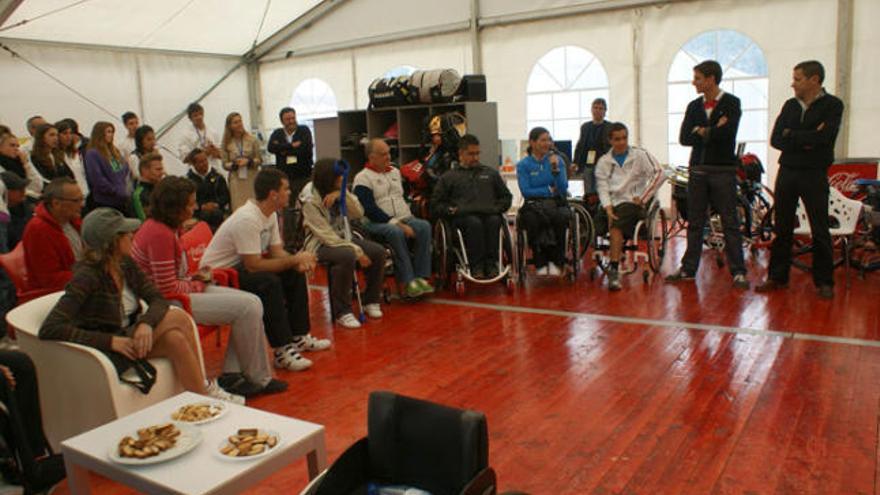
x=227 y=27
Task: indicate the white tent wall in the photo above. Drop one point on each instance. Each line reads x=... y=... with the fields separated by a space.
x=361 y=19
x=865 y=105
x=278 y=80
x=349 y=72
x=110 y=78
x=510 y=53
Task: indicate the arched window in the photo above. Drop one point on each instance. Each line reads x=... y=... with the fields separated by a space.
x=744 y=71
x=400 y=70
x=313 y=99
x=561 y=89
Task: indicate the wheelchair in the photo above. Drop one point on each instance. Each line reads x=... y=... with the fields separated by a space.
x=452 y=267
x=578 y=238
x=643 y=248
x=753 y=210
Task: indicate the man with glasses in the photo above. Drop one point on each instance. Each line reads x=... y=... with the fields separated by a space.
x=52 y=242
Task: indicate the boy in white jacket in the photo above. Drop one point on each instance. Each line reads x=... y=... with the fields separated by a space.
x=626 y=180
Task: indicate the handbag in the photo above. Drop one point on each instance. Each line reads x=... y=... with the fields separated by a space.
x=145 y=371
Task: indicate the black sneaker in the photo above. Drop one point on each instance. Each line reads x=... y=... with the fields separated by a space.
x=477 y=272
x=826 y=292
x=680 y=276
x=741 y=282
x=613 y=280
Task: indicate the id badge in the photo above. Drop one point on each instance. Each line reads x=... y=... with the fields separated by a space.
x=591 y=157
x=291 y=160
x=242 y=173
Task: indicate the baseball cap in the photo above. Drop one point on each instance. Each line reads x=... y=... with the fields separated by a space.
x=101 y=225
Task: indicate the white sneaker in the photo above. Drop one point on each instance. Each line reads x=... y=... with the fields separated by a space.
x=543 y=271
x=216 y=392
x=373 y=311
x=289 y=358
x=348 y=321
x=309 y=343
x=553 y=270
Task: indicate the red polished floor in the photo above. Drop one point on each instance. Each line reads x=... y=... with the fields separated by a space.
x=579 y=404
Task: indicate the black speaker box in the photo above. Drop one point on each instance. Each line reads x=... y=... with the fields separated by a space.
x=472 y=88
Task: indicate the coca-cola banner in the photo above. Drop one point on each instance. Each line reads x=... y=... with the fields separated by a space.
x=843 y=175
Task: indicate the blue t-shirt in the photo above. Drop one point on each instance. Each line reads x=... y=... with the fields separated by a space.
x=620 y=159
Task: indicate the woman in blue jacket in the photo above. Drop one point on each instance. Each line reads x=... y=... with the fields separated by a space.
x=545 y=214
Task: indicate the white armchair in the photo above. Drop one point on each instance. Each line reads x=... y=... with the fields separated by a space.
x=79 y=387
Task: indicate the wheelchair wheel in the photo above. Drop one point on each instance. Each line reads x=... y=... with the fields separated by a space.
x=520 y=249
x=583 y=223
x=442 y=262
x=658 y=227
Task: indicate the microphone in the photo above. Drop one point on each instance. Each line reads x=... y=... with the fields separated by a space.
x=554 y=164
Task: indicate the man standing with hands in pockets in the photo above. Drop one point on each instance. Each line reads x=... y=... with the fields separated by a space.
x=710 y=125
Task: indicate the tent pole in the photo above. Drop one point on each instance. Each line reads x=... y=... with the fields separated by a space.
x=255 y=97
x=638 y=24
x=476 y=46
x=139 y=78
x=174 y=120
x=7 y=7
x=354 y=79
x=843 y=70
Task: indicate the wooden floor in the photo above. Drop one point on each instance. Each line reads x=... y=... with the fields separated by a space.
x=658 y=389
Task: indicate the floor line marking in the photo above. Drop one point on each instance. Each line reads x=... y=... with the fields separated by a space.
x=662 y=323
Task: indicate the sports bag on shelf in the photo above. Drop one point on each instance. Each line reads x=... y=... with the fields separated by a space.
x=390 y=92
x=435 y=86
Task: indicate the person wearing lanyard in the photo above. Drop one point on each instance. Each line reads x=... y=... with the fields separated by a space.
x=292 y=146
x=241 y=157
x=198 y=136
x=592 y=144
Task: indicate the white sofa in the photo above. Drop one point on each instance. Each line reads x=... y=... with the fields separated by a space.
x=79 y=387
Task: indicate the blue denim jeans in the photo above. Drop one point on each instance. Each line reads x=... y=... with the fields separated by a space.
x=406 y=268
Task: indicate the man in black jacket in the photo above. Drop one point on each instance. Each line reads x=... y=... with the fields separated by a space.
x=212 y=193
x=804 y=132
x=292 y=146
x=474 y=197
x=709 y=128
x=592 y=144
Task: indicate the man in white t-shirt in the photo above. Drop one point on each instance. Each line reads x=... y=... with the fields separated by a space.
x=198 y=135
x=250 y=242
x=126 y=144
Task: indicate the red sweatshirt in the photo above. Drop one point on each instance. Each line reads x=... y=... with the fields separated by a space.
x=156 y=250
x=47 y=254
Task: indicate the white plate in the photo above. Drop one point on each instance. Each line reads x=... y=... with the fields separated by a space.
x=189 y=438
x=217 y=404
x=223 y=443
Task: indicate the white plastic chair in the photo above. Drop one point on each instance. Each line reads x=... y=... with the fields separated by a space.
x=79 y=387
x=844 y=212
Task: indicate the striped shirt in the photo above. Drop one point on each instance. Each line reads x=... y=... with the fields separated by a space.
x=157 y=251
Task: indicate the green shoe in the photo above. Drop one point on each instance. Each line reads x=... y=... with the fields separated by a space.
x=426 y=287
x=413 y=290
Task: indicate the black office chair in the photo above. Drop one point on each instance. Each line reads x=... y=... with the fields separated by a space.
x=416 y=443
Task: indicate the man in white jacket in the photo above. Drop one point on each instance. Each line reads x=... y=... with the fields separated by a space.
x=380 y=190
x=626 y=180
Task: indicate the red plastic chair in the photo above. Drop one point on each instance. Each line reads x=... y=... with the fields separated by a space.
x=194 y=242
x=14 y=265
x=16 y=269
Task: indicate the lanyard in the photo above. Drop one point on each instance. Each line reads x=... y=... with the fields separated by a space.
x=240 y=147
x=202 y=139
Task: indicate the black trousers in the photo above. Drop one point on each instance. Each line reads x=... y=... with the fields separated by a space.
x=717 y=189
x=812 y=187
x=23 y=424
x=285 y=298
x=546 y=228
x=481 y=235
